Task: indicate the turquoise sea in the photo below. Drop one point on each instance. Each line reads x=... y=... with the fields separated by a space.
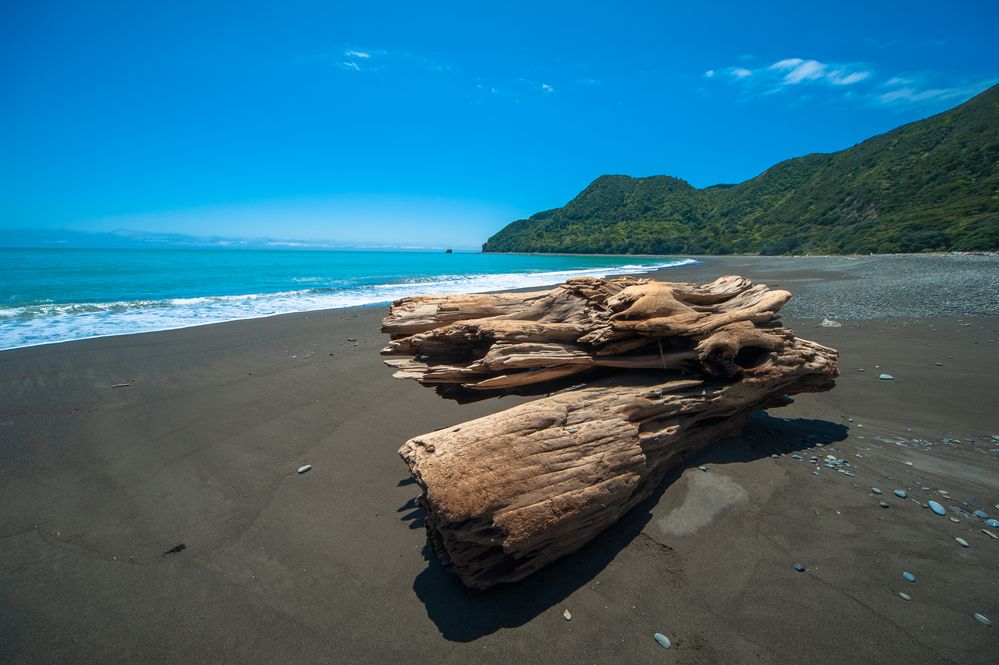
x=57 y=295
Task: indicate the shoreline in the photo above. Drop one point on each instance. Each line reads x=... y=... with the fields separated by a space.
x=200 y=441
x=704 y=268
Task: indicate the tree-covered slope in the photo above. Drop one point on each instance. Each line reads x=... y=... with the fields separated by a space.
x=928 y=185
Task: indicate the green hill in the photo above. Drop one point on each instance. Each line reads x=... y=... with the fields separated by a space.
x=928 y=185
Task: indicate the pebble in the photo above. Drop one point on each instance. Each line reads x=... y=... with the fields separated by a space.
x=981 y=514
x=982 y=619
x=955 y=520
x=775 y=456
x=962 y=542
x=901 y=494
x=305 y=468
x=905 y=596
x=815 y=473
x=886 y=377
x=800 y=567
x=797 y=457
x=567 y=615
x=883 y=504
x=989 y=533
x=704 y=469
x=907 y=463
x=876 y=490
x=829 y=323
x=664 y=641
x=993 y=523
x=938 y=364
x=908 y=577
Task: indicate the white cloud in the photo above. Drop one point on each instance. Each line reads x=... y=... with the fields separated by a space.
x=357 y=54
x=353 y=66
x=841 y=77
x=855 y=82
x=789 y=63
x=546 y=88
x=804 y=70
x=912 y=95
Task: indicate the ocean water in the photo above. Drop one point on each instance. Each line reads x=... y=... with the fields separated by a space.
x=57 y=295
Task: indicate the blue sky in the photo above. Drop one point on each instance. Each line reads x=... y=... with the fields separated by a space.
x=435 y=124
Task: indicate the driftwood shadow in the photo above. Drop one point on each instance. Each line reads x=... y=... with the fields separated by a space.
x=464 y=615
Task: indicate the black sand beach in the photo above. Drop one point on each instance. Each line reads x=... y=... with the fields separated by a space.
x=200 y=441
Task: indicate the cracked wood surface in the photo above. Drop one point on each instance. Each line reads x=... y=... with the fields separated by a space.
x=662 y=370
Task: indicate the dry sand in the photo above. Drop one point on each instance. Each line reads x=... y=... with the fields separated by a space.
x=202 y=446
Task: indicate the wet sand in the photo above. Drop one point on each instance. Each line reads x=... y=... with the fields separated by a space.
x=200 y=444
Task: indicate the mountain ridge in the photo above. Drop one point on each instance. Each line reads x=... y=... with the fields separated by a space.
x=929 y=185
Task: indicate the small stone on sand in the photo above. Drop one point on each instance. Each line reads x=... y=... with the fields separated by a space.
x=982 y=619
x=901 y=494
x=876 y=490
x=989 y=534
x=908 y=577
x=883 y=504
x=962 y=542
x=886 y=377
x=981 y=514
x=704 y=469
x=993 y=523
x=800 y=567
x=305 y=468
x=937 y=508
x=567 y=615
x=663 y=641
x=905 y=596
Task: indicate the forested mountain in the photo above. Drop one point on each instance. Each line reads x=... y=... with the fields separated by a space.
x=928 y=185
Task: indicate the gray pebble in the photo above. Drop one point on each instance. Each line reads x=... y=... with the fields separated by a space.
x=703 y=468
x=304 y=468
x=982 y=619
x=901 y=494
x=937 y=508
x=908 y=577
x=886 y=377
x=663 y=641
x=981 y=514
x=993 y=523
x=883 y=504
x=962 y=542
x=800 y=567
x=905 y=596
x=876 y=490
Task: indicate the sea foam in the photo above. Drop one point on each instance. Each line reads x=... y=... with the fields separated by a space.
x=51 y=322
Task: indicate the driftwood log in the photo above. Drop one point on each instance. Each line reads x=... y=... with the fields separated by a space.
x=658 y=371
